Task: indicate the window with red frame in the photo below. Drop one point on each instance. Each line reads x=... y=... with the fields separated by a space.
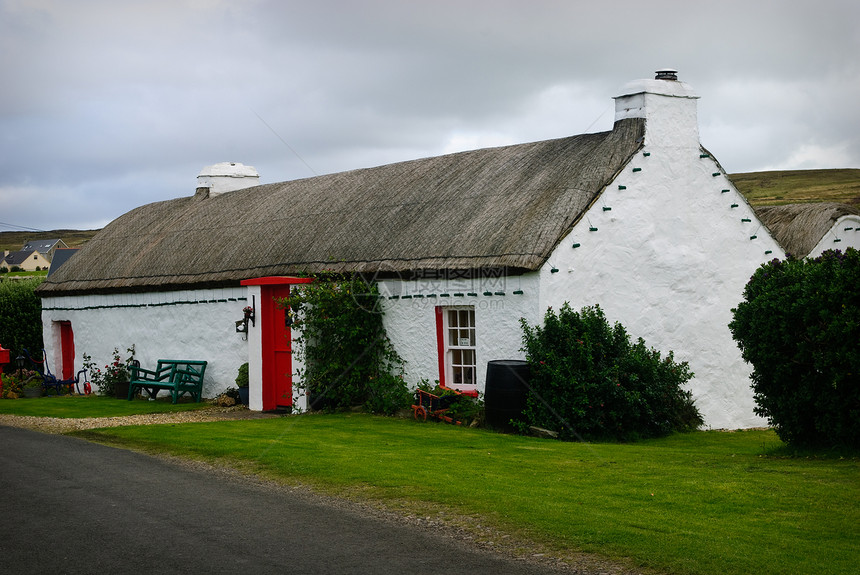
x=455 y=331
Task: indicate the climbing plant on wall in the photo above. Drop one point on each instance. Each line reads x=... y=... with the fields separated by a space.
x=349 y=360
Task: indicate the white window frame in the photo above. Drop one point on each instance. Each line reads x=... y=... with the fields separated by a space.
x=458 y=347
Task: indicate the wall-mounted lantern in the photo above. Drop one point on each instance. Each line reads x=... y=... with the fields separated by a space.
x=249 y=314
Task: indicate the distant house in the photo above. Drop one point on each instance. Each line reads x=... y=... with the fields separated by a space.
x=45 y=247
x=640 y=219
x=807 y=230
x=27 y=259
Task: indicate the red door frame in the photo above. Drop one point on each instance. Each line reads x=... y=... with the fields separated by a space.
x=440 y=343
x=276 y=340
x=67 y=350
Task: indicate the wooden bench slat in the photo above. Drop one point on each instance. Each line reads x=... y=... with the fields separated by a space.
x=179 y=376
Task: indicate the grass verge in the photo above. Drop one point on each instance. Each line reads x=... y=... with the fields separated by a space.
x=74 y=406
x=699 y=503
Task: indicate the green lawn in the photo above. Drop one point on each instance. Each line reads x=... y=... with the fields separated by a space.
x=24 y=275
x=90 y=406
x=705 y=502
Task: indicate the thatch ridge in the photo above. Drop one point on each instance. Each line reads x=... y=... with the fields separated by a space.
x=504 y=207
x=799 y=227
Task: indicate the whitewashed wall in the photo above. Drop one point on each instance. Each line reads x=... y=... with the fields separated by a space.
x=667 y=251
x=410 y=319
x=188 y=324
x=844 y=234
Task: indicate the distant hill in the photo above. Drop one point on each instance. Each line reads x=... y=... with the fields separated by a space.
x=14 y=241
x=799 y=187
x=760 y=189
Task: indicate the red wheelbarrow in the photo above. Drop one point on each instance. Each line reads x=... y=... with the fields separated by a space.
x=428 y=404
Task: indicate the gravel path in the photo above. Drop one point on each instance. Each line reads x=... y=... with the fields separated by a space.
x=64 y=425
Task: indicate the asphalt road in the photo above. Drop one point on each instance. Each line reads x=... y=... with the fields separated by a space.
x=70 y=506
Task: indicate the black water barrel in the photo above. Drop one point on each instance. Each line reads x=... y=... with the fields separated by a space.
x=506 y=391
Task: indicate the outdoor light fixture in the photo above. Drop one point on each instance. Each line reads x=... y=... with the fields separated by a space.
x=249 y=314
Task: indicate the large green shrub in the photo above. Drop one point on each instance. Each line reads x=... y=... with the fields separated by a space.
x=349 y=360
x=21 y=316
x=799 y=327
x=588 y=381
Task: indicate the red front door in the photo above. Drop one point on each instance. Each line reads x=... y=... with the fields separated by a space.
x=277 y=349
x=67 y=350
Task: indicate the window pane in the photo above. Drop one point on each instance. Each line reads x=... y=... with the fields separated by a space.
x=458 y=374
x=452 y=318
x=456 y=357
x=468 y=357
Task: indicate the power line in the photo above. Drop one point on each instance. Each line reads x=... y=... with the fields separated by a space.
x=283 y=141
x=22 y=227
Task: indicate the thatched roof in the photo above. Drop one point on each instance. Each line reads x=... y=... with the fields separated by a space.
x=799 y=227
x=505 y=207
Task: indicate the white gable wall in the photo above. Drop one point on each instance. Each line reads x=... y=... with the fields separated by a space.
x=844 y=234
x=188 y=324
x=664 y=252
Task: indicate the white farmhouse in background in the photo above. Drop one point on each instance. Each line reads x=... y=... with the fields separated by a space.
x=641 y=220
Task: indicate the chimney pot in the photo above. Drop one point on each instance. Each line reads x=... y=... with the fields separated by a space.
x=666 y=74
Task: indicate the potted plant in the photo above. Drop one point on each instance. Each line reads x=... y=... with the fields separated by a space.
x=32 y=387
x=113 y=379
x=242 y=383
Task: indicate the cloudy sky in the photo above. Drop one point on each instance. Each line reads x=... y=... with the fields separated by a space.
x=106 y=105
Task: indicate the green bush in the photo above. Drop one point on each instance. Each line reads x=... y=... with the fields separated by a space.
x=20 y=317
x=349 y=360
x=799 y=327
x=387 y=394
x=588 y=381
x=242 y=377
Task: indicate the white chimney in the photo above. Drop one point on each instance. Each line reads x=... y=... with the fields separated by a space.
x=227 y=177
x=668 y=106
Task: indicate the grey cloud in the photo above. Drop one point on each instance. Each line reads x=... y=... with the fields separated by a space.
x=109 y=105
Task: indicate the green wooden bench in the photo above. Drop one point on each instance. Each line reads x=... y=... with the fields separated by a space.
x=178 y=376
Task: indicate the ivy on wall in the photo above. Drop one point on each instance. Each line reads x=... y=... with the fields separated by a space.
x=348 y=359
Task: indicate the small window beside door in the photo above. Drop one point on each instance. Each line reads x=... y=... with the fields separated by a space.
x=458 y=348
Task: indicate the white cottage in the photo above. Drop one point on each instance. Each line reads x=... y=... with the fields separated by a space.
x=640 y=219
